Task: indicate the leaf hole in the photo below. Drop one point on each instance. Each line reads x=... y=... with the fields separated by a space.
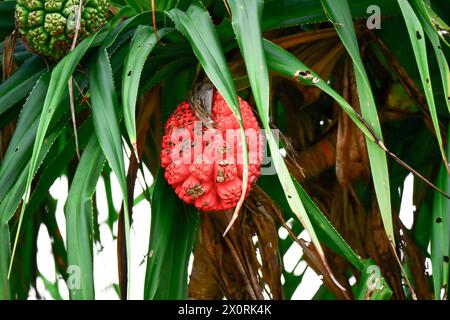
x=446 y=259
x=438 y=220
x=129 y=73
x=418 y=35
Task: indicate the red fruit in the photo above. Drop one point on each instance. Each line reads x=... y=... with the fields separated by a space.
x=204 y=165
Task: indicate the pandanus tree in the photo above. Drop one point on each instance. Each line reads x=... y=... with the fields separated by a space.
x=332 y=105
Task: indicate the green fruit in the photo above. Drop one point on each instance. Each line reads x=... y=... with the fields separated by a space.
x=48 y=26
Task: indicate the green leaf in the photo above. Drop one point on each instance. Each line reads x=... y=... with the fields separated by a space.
x=5 y=256
x=246 y=24
x=174 y=91
x=165 y=4
x=286 y=13
x=340 y=15
x=55 y=164
x=286 y=64
x=141 y=46
x=417 y=38
x=437 y=22
x=170 y=210
x=105 y=113
x=422 y=10
x=138 y=5
x=19 y=150
x=372 y=286
x=8 y=207
x=20 y=83
x=196 y=26
x=79 y=226
x=144 y=194
x=16 y=164
x=7 y=21
x=130 y=23
x=51 y=287
x=11 y=201
x=172 y=234
x=166 y=72
x=112 y=213
x=57 y=87
x=440 y=234
x=18 y=153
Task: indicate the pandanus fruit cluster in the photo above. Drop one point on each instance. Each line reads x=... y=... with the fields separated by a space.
x=202 y=153
x=48 y=26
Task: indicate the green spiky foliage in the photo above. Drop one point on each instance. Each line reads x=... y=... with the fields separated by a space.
x=48 y=26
